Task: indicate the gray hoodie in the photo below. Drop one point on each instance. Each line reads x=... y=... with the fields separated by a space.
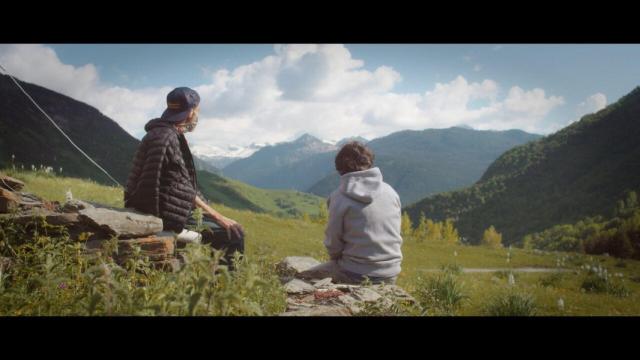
x=363 y=233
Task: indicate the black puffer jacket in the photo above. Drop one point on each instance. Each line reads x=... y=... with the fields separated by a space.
x=163 y=180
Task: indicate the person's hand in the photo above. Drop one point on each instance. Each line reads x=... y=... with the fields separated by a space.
x=231 y=225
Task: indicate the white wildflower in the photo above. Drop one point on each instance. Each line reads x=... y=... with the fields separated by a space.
x=512 y=280
x=69 y=195
x=561 y=304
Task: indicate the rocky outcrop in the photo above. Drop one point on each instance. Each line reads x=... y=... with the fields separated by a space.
x=93 y=223
x=9 y=183
x=122 y=223
x=323 y=297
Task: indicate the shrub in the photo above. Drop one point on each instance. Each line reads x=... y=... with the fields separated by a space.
x=492 y=238
x=52 y=275
x=453 y=269
x=598 y=280
x=442 y=294
x=512 y=304
x=552 y=280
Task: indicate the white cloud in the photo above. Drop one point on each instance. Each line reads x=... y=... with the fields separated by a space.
x=320 y=89
x=592 y=104
x=40 y=65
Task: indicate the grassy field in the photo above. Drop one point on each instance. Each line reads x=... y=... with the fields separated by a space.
x=270 y=238
x=238 y=195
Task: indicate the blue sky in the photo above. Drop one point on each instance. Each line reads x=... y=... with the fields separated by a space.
x=265 y=93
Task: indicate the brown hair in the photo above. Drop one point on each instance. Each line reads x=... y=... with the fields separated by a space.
x=354 y=156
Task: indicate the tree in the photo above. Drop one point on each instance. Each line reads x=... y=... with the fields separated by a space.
x=406 y=227
x=421 y=231
x=323 y=213
x=434 y=231
x=492 y=238
x=449 y=232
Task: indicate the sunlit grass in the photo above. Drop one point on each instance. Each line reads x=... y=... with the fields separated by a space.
x=270 y=238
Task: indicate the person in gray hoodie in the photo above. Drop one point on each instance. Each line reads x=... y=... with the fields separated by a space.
x=363 y=233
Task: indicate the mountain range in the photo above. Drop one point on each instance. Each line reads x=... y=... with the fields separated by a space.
x=415 y=163
x=577 y=172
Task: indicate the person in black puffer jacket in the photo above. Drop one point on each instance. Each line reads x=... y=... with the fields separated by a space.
x=163 y=181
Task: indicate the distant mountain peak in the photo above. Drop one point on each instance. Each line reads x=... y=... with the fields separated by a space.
x=306 y=138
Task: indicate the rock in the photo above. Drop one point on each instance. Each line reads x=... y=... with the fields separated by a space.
x=297 y=286
x=322 y=310
x=157 y=248
x=352 y=304
x=123 y=223
x=8 y=201
x=66 y=219
x=294 y=265
x=9 y=183
x=365 y=294
x=76 y=205
x=51 y=217
x=322 y=283
x=324 y=298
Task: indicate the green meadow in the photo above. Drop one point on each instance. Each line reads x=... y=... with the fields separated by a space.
x=446 y=278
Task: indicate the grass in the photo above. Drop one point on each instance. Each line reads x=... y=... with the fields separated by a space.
x=270 y=238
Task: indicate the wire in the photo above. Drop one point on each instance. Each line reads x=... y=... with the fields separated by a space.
x=57 y=127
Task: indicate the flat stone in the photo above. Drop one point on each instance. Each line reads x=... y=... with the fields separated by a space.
x=365 y=294
x=76 y=205
x=297 y=286
x=121 y=223
x=322 y=310
x=322 y=283
x=352 y=304
x=294 y=265
x=51 y=217
x=157 y=248
x=10 y=183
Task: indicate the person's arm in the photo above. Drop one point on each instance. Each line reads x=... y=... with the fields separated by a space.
x=333 y=233
x=226 y=223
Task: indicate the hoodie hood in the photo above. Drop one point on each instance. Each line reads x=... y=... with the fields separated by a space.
x=362 y=186
x=155 y=123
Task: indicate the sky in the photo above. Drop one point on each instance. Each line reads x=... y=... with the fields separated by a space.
x=269 y=93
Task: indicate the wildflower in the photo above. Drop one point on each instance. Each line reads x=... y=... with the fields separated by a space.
x=62 y=286
x=69 y=195
x=455 y=253
x=512 y=280
x=561 y=304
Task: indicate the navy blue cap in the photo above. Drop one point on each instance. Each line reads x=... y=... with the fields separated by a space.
x=180 y=101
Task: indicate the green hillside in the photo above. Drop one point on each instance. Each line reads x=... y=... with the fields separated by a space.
x=578 y=172
x=421 y=163
x=33 y=140
x=239 y=195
